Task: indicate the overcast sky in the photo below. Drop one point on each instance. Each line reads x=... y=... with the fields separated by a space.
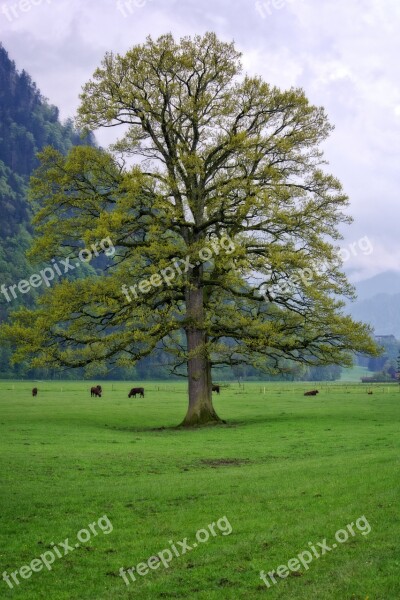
x=344 y=53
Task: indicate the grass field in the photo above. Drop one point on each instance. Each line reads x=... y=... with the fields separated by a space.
x=354 y=374
x=284 y=471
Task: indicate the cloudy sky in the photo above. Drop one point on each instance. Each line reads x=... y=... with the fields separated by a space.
x=344 y=53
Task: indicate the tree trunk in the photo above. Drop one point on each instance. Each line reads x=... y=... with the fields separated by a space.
x=200 y=410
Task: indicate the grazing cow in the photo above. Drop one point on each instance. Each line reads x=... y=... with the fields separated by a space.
x=94 y=391
x=135 y=391
x=311 y=393
x=215 y=388
x=34 y=391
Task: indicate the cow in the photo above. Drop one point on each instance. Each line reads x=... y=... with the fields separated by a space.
x=34 y=391
x=215 y=388
x=135 y=391
x=95 y=391
x=311 y=393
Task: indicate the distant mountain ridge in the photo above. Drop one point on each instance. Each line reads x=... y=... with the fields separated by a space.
x=384 y=283
x=378 y=303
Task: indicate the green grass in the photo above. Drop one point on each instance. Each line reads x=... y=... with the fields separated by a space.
x=286 y=470
x=354 y=374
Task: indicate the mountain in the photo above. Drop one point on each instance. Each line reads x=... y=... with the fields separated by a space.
x=378 y=303
x=28 y=123
x=387 y=283
x=382 y=311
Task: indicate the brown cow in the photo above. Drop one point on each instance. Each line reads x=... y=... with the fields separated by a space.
x=94 y=391
x=134 y=391
x=34 y=391
x=311 y=393
x=215 y=388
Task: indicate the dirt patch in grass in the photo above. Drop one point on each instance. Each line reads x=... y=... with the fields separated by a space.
x=214 y=463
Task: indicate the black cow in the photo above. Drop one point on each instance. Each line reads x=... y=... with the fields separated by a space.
x=135 y=391
x=311 y=393
x=95 y=391
x=215 y=388
x=34 y=391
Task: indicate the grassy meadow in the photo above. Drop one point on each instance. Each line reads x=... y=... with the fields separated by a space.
x=284 y=471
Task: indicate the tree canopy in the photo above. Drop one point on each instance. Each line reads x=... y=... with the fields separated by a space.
x=225 y=222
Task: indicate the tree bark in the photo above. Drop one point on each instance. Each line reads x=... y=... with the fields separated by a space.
x=200 y=410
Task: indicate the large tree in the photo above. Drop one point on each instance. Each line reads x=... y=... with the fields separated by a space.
x=225 y=224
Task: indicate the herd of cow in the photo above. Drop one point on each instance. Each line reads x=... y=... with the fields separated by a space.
x=97 y=391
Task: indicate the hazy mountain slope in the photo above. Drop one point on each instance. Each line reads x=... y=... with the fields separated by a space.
x=378 y=303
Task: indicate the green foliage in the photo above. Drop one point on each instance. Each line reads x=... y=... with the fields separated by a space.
x=390 y=352
x=326 y=373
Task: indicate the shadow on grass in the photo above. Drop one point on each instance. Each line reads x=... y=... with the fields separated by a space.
x=231 y=424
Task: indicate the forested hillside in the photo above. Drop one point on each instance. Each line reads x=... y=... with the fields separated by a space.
x=28 y=123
